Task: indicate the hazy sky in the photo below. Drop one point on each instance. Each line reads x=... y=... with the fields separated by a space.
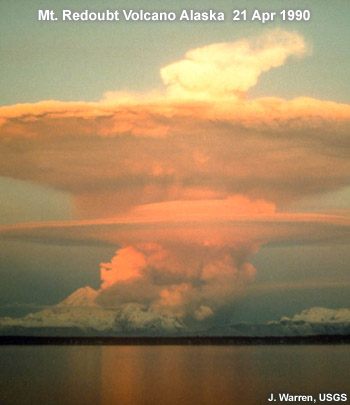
x=80 y=61
x=214 y=154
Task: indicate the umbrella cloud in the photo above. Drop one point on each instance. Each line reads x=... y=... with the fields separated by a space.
x=184 y=264
x=128 y=150
x=188 y=183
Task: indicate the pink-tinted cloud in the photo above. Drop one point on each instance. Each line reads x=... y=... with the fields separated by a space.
x=128 y=150
x=188 y=222
x=267 y=149
x=176 y=279
x=185 y=258
x=125 y=265
x=188 y=183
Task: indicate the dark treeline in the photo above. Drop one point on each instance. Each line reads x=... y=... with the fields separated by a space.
x=192 y=340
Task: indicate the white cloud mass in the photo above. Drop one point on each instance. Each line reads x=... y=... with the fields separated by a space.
x=229 y=70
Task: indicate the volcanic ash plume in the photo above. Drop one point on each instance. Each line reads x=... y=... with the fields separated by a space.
x=189 y=182
x=178 y=280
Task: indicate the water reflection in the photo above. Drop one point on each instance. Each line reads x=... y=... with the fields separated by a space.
x=168 y=374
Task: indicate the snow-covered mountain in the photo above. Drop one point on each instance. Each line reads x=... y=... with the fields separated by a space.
x=133 y=319
x=78 y=310
x=319 y=314
x=289 y=328
x=312 y=321
x=83 y=297
x=81 y=312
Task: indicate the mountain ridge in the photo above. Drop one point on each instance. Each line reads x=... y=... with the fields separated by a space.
x=70 y=317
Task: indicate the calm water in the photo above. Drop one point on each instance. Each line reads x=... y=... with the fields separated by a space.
x=168 y=374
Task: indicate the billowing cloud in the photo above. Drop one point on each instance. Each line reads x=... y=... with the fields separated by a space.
x=188 y=183
x=128 y=150
x=227 y=70
x=178 y=280
x=126 y=265
x=183 y=263
x=276 y=151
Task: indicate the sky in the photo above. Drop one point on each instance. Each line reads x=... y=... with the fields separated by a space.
x=199 y=169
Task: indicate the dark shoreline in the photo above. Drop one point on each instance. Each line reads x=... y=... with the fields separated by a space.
x=182 y=341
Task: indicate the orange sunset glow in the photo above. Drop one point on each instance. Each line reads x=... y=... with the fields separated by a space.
x=188 y=183
x=175 y=202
